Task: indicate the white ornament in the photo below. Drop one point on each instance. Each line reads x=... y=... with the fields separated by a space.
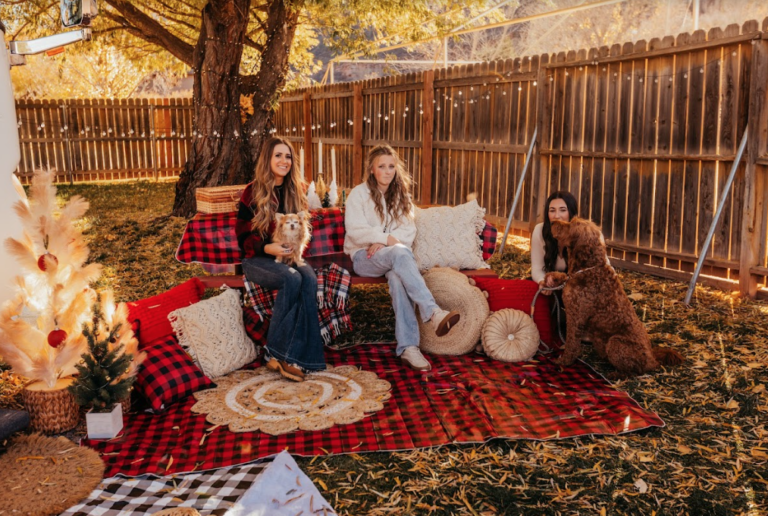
x=313 y=198
x=333 y=193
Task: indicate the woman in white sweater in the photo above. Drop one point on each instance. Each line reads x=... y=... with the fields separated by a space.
x=379 y=234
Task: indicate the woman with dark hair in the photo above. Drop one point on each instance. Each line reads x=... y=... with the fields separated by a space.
x=545 y=253
x=294 y=345
x=379 y=234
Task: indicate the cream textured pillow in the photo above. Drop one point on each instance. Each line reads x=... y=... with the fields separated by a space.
x=213 y=334
x=510 y=336
x=449 y=237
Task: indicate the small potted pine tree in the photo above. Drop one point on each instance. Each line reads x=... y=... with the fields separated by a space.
x=106 y=374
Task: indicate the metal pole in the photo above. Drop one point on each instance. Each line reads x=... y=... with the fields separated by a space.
x=723 y=197
x=445 y=52
x=696 y=11
x=519 y=189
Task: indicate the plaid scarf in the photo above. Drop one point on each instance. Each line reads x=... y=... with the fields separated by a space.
x=332 y=297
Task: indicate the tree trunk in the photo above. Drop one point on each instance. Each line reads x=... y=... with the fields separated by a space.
x=219 y=148
x=267 y=85
x=223 y=151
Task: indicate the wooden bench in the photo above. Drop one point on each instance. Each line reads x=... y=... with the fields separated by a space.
x=210 y=239
x=236 y=280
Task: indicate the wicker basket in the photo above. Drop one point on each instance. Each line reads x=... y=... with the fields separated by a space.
x=126 y=403
x=51 y=411
x=218 y=199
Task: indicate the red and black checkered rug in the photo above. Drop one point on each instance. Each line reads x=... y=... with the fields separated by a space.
x=466 y=399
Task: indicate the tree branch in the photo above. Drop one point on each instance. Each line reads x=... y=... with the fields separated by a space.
x=152 y=31
x=253 y=44
x=31 y=19
x=281 y=27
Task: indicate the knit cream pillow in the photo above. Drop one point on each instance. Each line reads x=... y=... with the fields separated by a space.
x=213 y=334
x=449 y=237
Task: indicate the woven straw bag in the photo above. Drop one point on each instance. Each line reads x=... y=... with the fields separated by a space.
x=452 y=291
x=510 y=336
x=178 y=511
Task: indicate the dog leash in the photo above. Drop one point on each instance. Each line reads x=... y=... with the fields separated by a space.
x=543 y=344
x=547 y=349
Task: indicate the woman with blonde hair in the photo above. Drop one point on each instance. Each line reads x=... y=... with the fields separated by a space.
x=379 y=234
x=294 y=345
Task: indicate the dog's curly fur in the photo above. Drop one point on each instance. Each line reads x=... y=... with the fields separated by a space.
x=597 y=307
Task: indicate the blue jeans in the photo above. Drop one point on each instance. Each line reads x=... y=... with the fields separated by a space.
x=406 y=287
x=294 y=331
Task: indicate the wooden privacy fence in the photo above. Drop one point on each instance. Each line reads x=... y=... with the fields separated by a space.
x=643 y=134
x=95 y=140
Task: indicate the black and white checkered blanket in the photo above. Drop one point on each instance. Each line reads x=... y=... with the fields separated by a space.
x=211 y=493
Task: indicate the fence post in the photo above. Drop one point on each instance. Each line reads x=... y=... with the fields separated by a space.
x=308 y=175
x=541 y=163
x=427 y=128
x=357 y=137
x=152 y=139
x=68 y=162
x=753 y=221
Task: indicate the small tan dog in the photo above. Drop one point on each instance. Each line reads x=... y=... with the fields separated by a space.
x=292 y=230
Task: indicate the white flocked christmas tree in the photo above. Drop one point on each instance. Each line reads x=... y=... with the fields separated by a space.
x=41 y=327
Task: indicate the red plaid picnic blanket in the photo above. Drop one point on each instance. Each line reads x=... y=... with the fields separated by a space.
x=211 y=239
x=332 y=301
x=463 y=399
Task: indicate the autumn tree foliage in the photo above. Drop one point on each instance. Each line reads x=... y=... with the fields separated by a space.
x=243 y=48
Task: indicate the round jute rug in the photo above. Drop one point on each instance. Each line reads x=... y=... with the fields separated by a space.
x=263 y=400
x=46 y=475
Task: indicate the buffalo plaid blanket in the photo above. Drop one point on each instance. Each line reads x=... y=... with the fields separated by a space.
x=332 y=297
x=211 y=239
x=463 y=399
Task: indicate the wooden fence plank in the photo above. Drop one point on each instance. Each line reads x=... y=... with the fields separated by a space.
x=643 y=135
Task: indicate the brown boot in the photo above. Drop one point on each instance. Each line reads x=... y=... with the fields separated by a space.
x=290 y=372
x=273 y=365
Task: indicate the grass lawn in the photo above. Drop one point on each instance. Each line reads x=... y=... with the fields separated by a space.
x=711 y=458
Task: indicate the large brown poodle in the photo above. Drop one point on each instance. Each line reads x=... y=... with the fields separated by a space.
x=597 y=308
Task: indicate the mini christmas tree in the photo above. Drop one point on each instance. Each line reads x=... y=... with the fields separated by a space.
x=41 y=327
x=105 y=373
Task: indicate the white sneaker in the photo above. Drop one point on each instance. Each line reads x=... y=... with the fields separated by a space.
x=413 y=358
x=443 y=321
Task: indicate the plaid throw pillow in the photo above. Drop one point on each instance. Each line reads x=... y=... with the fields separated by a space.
x=168 y=374
x=151 y=313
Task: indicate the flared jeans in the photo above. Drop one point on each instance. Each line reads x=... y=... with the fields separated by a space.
x=294 y=331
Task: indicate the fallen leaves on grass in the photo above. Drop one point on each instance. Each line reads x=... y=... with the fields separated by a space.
x=711 y=458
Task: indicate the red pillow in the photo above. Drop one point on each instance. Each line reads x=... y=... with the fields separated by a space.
x=168 y=374
x=518 y=294
x=151 y=313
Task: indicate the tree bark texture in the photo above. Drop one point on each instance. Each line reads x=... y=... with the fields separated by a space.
x=268 y=83
x=218 y=154
x=223 y=150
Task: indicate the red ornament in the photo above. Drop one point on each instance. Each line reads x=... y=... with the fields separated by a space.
x=41 y=261
x=56 y=338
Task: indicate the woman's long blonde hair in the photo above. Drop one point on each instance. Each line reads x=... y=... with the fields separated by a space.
x=262 y=198
x=398 y=196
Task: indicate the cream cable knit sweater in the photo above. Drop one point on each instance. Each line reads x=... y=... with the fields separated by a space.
x=363 y=227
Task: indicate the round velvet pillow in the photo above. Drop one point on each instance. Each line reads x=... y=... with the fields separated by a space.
x=452 y=291
x=510 y=336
